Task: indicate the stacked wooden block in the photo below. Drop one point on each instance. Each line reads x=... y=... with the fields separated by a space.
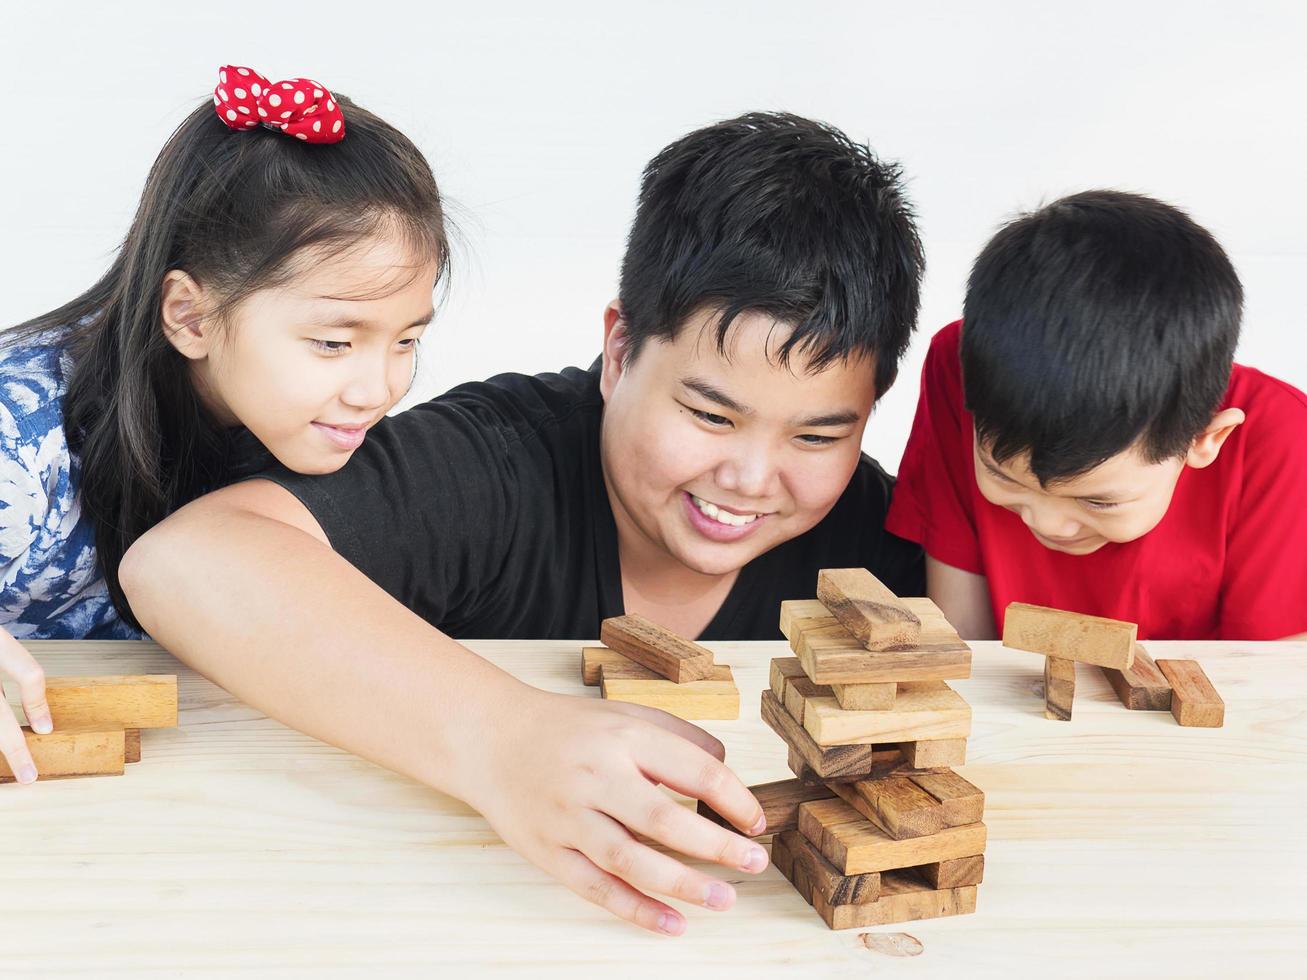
x=642 y=663
x=876 y=829
x=1067 y=638
x=97 y=724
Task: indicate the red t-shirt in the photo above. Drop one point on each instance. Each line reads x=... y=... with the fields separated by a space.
x=1228 y=561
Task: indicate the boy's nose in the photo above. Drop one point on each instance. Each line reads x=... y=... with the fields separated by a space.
x=1050 y=523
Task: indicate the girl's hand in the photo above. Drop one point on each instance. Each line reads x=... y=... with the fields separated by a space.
x=20 y=667
x=568 y=783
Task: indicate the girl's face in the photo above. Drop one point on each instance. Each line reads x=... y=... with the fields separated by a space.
x=309 y=367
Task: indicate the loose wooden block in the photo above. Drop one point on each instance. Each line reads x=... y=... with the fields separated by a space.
x=923 y=711
x=132 y=745
x=865 y=697
x=1194 y=702
x=935 y=754
x=1141 y=686
x=69 y=752
x=832 y=655
x=780 y=804
x=835 y=888
x=798 y=692
x=804 y=614
x=1070 y=636
x=781 y=858
x=887 y=761
x=904 y=897
x=897 y=805
x=963 y=803
x=958 y=873
x=594 y=659
x=649 y=645
x=1059 y=688
x=137 y=701
x=866 y=608
x=783 y=670
x=717 y=700
x=841 y=760
x=855 y=845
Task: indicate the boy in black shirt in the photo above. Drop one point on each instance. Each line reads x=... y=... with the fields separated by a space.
x=703 y=471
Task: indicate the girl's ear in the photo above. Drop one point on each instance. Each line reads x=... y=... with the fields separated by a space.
x=182 y=310
x=616 y=343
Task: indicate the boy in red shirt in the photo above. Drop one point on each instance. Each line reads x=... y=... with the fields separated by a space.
x=1083 y=439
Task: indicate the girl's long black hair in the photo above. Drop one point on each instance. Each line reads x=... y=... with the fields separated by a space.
x=231 y=209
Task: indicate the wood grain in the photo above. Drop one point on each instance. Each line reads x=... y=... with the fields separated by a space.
x=132 y=745
x=840 y=760
x=825 y=880
x=1059 y=688
x=831 y=655
x=934 y=754
x=904 y=897
x=957 y=873
x=70 y=752
x=923 y=711
x=963 y=802
x=865 y=697
x=113 y=701
x=866 y=608
x=717 y=699
x=855 y=845
x=1194 y=701
x=661 y=650
x=595 y=658
x=897 y=805
x=1070 y=636
x=1141 y=686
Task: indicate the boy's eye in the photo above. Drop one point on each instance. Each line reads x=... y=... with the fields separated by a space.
x=1100 y=504
x=815 y=440
x=331 y=346
x=709 y=417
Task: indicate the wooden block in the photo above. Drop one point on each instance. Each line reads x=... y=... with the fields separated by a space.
x=1059 y=688
x=1194 y=702
x=1069 y=635
x=649 y=645
x=832 y=655
x=139 y=701
x=69 y=752
x=783 y=670
x=132 y=745
x=897 y=805
x=780 y=804
x=1141 y=686
x=963 y=803
x=923 y=711
x=887 y=761
x=595 y=658
x=841 y=760
x=629 y=670
x=717 y=700
x=799 y=691
x=781 y=858
x=935 y=754
x=866 y=608
x=957 y=873
x=865 y=697
x=835 y=888
x=855 y=845
x=904 y=897
x=804 y=614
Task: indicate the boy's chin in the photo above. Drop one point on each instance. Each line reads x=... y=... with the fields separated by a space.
x=1078 y=548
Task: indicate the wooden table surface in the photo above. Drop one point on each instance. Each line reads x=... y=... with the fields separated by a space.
x=1120 y=844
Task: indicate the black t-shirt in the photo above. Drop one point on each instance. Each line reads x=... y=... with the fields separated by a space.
x=485 y=512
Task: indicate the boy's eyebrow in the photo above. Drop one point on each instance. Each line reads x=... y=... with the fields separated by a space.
x=989 y=465
x=715 y=395
x=846 y=417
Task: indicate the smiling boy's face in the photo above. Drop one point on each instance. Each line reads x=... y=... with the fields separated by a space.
x=1119 y=500
x=716 y=459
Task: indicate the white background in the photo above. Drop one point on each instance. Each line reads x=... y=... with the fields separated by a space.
x=537 y=118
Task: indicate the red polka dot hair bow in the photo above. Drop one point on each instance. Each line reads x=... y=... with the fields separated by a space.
x=298 y=107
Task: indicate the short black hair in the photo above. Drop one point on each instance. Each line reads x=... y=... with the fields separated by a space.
x=1099 y=322
x=776 y=214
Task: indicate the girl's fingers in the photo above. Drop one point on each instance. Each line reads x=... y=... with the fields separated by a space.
x=580 y=874
x=14 y=748
x=677 y=726
x=18 y=663
x=658 y=817
x=612 y=848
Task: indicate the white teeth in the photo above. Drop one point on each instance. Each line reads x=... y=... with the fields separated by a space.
x=709 y=509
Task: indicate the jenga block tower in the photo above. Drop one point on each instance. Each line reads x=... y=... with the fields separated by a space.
x=875 y=828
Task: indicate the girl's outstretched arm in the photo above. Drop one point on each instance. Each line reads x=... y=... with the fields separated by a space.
x=242 y=586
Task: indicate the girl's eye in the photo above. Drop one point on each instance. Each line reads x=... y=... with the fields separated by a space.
x=331 y=346
x=409 y=343
x=708 y=417
x=814 y=440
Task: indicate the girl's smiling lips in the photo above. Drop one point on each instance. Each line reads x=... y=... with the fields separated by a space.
x=718 y=523
x=343 y=436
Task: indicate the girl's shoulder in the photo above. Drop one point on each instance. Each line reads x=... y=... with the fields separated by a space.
x=33 y=380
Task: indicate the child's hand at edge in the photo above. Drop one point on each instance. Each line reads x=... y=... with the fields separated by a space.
x=18 y=665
